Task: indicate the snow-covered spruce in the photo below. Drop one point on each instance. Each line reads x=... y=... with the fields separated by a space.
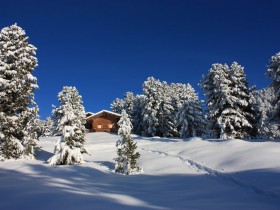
x=151 y=106
x=47 y=127
x=273 y=71
x=189 y=118
x=126 y=162
x=18 y=111
x=137 y=115
x=274 y=74
x=129 y=103
x=268 y=127
x=166 y=123
x=69 y=121
x=230 y=110
x=117 y=105
x=267 y=102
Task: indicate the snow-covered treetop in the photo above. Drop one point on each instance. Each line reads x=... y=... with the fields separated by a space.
x=16 y=50
x=150 y=87
x=118 y=105
x=17 y=62
x=274 y=68
x=125 y=125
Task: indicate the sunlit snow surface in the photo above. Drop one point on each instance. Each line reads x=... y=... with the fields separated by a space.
x=178 y=174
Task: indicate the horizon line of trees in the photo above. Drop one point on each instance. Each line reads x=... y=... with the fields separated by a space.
x=231 y=110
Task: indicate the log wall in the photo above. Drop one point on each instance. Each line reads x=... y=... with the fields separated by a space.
x=105 y=122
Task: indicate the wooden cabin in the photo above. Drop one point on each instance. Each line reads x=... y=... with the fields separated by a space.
x=103 y=121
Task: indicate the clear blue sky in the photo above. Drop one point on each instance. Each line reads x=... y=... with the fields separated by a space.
x=108 y=47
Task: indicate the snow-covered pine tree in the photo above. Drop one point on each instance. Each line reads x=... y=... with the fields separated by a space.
x=267 y=101
x=216 y=87
x=180 y=92
x=40 y=124
x=126 y=162
x=189 y=118
x=69 y=119
x=166 y=125
x=273 y=73
x=29 y=119
x=241 y=102
x=47 y=127
x=151 y=106
x=17 y=85
x=117 y=105
x=129 y=103
x=137 y=119
x=178 y=95
x=230 y=109
x=263 y=101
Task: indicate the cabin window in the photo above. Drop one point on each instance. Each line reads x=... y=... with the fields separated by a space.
x=99 y=126
x=110 y=126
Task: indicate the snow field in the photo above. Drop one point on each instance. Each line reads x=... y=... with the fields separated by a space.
x=178 y=174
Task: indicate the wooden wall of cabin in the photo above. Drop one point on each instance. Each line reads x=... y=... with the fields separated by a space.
x=105 y=123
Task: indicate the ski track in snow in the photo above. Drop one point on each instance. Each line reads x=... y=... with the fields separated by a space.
x=212 y=172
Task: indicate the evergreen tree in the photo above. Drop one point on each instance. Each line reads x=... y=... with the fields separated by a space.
x=263 y=101
x=69 y=119
x=47 y=127
x=267 y=102
x=29 y=119
x=117 y=105
x=230 y=109
x=18 y=110
x=274 y=74
x=215 y=86
x=166 y=124
x=151 y=106
x=190 y=119
x=129 y=103
x=40 y=127
x=126 y=162
x=180 y=93
x=137 y=116
x=241 y=98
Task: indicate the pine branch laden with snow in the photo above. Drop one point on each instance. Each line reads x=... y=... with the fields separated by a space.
x=17 y=85
x=69 y=121
x=229 y=101
x=126 y=162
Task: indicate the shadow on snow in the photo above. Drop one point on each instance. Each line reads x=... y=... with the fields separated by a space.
x=81 y=187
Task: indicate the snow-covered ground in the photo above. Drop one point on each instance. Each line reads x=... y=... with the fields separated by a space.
x=178 y=174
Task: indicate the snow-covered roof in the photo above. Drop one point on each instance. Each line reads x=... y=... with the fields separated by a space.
x=106 y=111
x=88 y=114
